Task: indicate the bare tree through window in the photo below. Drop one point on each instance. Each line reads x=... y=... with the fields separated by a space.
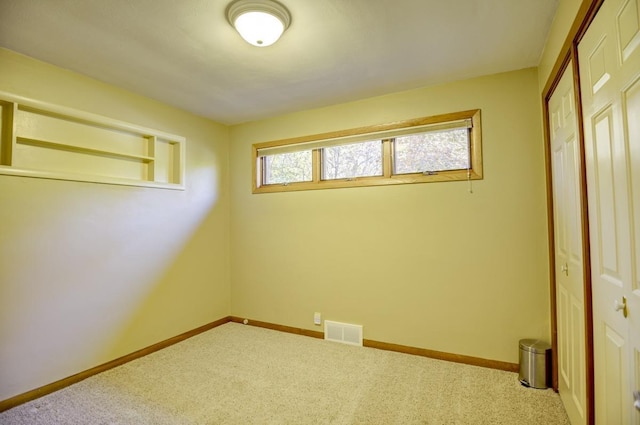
x=434 y=151
x=353 y=160
x=288 y=167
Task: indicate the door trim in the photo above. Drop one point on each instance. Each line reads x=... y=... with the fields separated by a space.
x=569 y=52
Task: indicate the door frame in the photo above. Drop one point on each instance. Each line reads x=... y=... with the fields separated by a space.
x=569 y=53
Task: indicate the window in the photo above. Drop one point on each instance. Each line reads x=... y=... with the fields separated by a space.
x=287 y=168
x=429 y=149
x=362 y=159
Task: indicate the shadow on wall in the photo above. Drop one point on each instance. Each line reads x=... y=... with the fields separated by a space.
x=192 y=290
x=91 y=272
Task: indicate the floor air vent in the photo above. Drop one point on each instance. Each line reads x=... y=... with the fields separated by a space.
x=343 y=332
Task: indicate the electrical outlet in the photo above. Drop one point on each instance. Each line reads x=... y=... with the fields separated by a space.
x=317 y=318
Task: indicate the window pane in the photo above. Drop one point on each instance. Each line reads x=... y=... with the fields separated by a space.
x=353 y=160
x=287 y=167
x=435 y=151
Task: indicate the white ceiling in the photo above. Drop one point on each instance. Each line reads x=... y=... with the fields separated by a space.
x=184 y=53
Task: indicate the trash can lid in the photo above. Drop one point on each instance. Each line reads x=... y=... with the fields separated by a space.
x=534 y=345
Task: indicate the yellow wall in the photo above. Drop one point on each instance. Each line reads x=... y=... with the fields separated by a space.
x=91 y=272
x=562 y=21
x=425 y=265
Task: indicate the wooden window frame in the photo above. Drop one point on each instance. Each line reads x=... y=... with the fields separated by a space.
x=474 y=172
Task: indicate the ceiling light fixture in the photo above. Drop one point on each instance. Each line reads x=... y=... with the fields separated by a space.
x=259 y=22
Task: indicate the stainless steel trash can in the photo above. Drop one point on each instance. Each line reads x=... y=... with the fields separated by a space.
x=535 y=363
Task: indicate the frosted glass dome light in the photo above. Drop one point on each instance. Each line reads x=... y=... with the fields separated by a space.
x=259 y=22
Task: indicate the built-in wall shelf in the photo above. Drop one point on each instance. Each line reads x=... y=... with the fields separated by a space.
x=43 y=140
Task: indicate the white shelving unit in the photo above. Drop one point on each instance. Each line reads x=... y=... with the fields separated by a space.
x=43 y=140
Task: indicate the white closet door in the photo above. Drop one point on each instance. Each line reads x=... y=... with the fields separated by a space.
x=570 y=300
x=609 y=57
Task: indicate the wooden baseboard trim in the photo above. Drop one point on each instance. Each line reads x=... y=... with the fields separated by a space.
x=65 y=382
x=456 y=358
x=440 y=355
x=281 y=328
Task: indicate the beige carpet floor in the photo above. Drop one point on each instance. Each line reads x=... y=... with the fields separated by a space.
x=237 y=374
